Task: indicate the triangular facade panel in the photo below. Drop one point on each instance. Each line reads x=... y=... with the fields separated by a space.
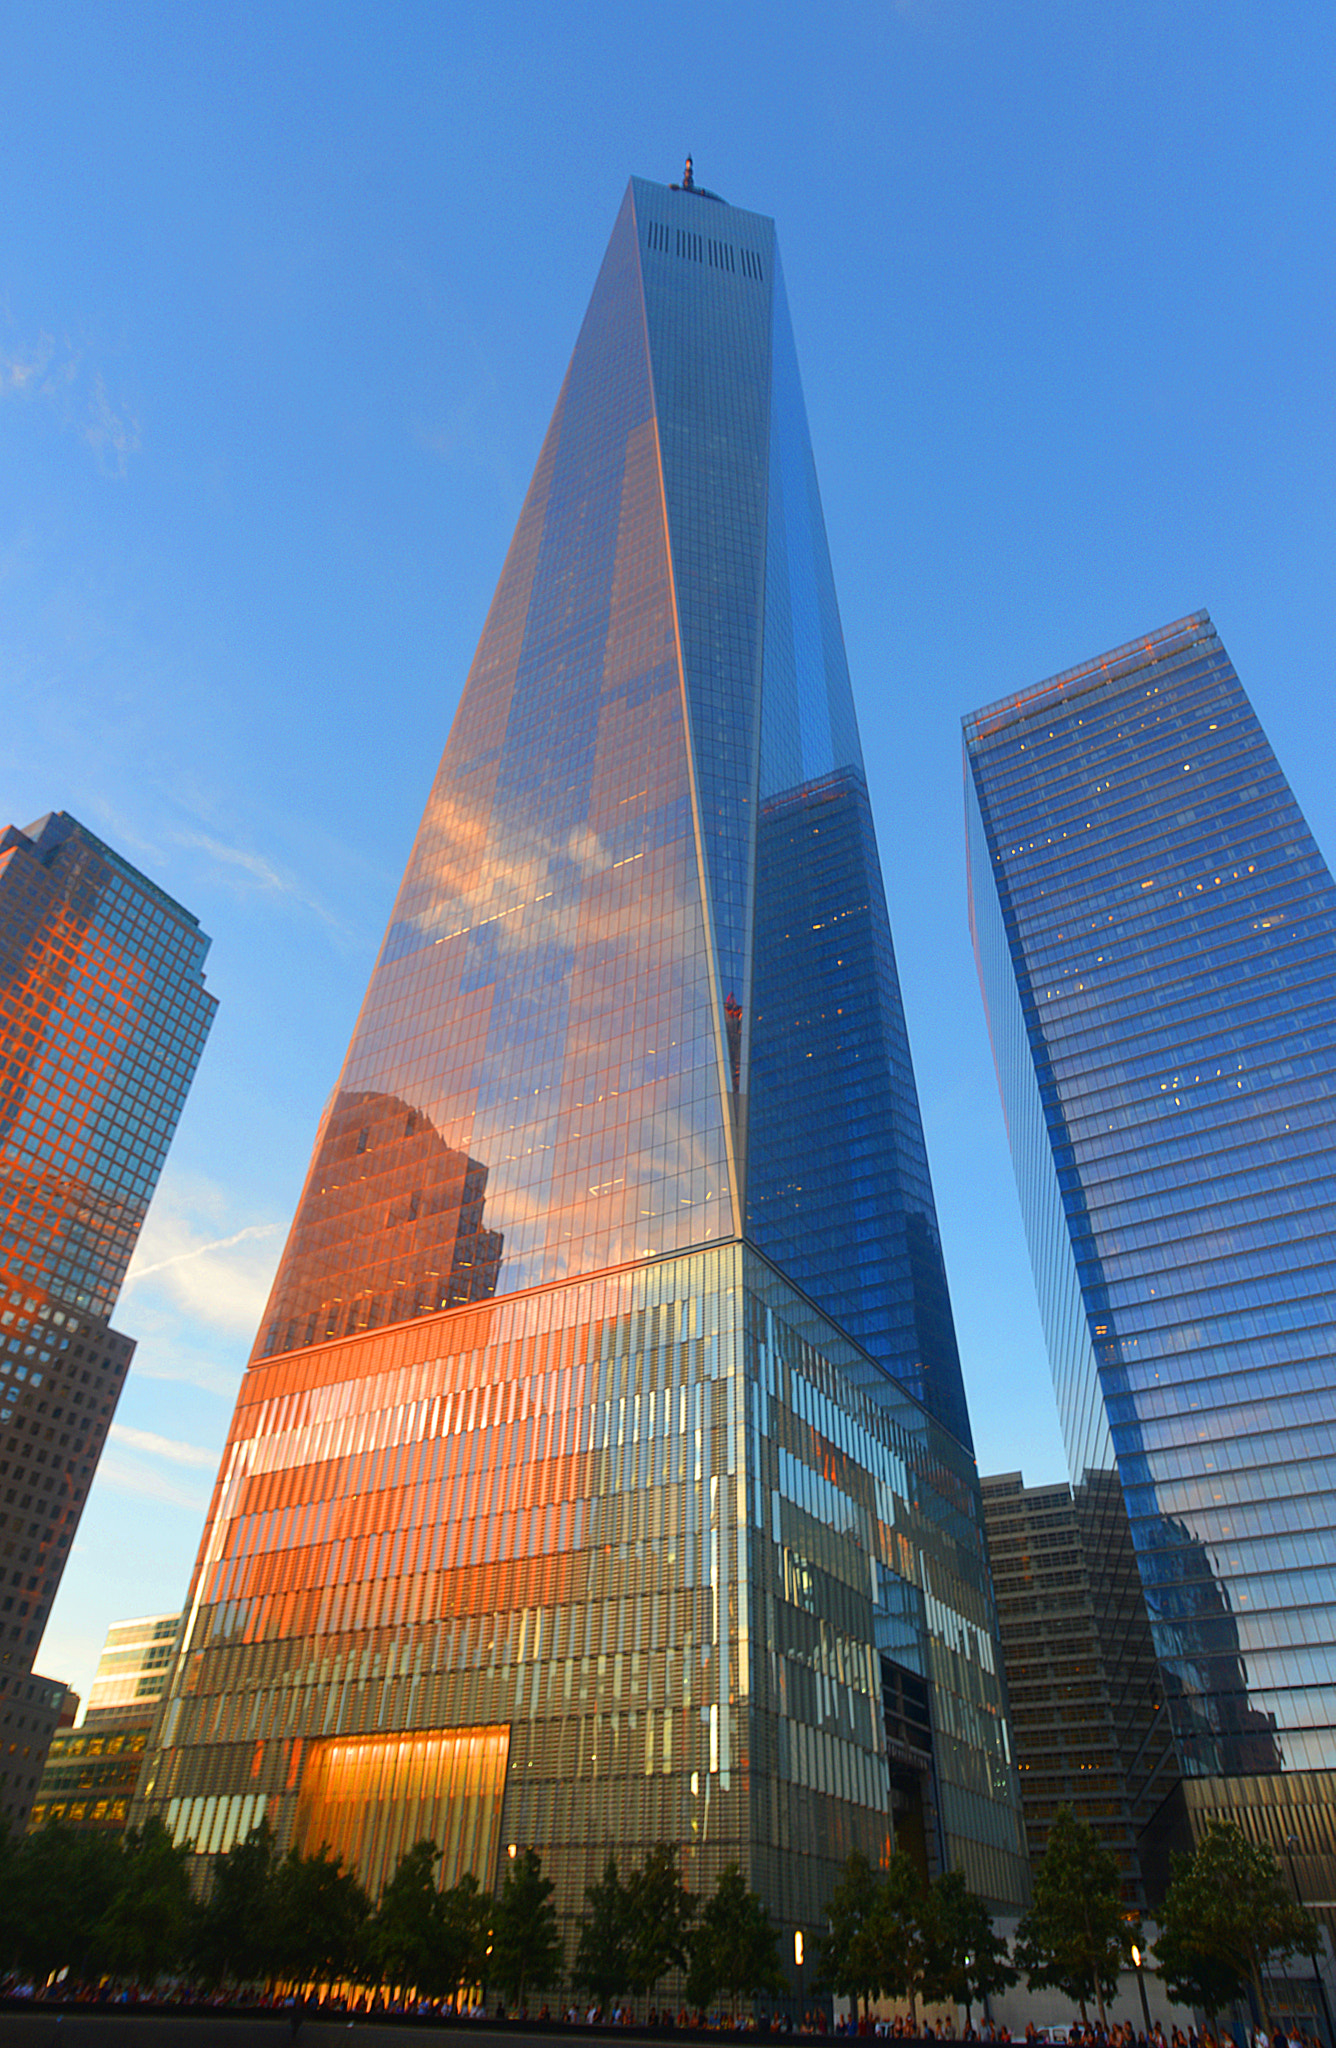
x=543 y=1005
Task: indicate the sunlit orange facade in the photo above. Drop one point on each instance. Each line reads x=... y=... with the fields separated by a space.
x=103 y=1015
x=601 y=1473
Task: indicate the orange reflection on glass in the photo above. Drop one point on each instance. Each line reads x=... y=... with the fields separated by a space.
x=371 y=1798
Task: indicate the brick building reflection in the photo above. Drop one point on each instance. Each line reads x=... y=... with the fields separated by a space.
x=391 y=1227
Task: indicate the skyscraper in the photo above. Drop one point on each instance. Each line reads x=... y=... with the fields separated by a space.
x=1084 y=1722
x=601 y=1475
x=103 y=1015
x=1154 y=931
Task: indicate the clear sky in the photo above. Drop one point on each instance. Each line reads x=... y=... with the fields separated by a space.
x=286 y=296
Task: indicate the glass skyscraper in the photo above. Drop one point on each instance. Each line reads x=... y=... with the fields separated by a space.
x=103 y=1016
x=601 y=1475
x=1154 y=930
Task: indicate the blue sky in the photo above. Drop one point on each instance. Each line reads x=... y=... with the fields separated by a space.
x=286 y=296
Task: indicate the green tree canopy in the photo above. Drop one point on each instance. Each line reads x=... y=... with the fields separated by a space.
x=8 y=1896
x=734 y=1948
x=463 y=1924
x=901 y=1933
x=1075 y=1936
x=662 y=1910
x=402 y=1940
x=1226 y=1911
x=968 y=1959
x=526 y=1944
x=603 y=1956
x=846 y=1953
x=148 y=1924
x=63 y=1881
x=234 y=1932
x=320 y=1912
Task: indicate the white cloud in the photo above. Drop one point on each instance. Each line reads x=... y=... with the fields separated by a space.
x=111 y=432
x=217 y=1244
x=163 y=1447
x=223 y=1281
x=130 y=1474
x=262 y=874
x=21 y=375
x=56 y=374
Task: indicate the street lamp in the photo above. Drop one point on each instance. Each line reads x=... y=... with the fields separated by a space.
x=1291 y=1844
x=798 y=1965
x=1141 y=1987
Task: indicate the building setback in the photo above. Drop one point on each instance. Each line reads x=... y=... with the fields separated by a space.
x=601 y=1474
x=103 y=1015
x=1154 y=931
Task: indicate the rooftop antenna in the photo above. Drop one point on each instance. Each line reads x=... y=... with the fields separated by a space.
x=689 y=184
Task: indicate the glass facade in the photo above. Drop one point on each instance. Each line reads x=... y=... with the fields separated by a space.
x=536 y=1442
x=132 y=1670
x=1154 y=930
x=595 y=1032
x=103 y=1015
x=655 y=1542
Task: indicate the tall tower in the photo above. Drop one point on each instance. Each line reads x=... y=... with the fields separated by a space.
x=1153 y=924
x=601 y=1475
x=103 y=1016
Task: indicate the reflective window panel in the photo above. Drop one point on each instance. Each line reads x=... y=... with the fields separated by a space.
x=103 y=1016
x=638 y=992
x=663 y=1542
x=608 y=1394
x=1154 y=929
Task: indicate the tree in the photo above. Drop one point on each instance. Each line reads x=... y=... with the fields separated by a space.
x=9 y=1850
x=234 y=1932
x=662 y=1910
x=526 y=1944
x=148 y=1924
x=319 y=1914
x=734 y=1948
x=402 y=1939
x=1228 y=1904
x=64 y=1879
x=846 y=1959
x=1075 y=1935
x=463 y=1925
x=901 y=1933
x=968 y=1959
x=603 y=1956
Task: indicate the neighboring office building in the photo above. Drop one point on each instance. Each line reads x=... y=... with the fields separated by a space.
x=103 y=1014
x=1154 y=930
x=132 y=1670
x=1087 y=1730
x=91 y=1770
x=33 y=1711
x=553 y=1512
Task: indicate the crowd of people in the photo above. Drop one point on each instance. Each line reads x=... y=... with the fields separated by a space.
x=814 y=2021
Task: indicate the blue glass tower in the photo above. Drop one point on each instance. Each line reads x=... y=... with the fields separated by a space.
x=1154 y=931
x=619 y=1226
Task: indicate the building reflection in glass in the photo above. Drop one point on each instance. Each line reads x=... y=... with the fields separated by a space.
x=1154 y=930
x=701 y=1540
x=391 y=1226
